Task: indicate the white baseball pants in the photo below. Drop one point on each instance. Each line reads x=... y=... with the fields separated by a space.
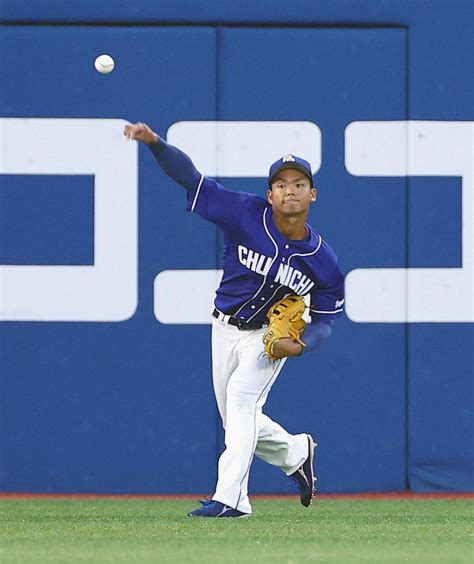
x=243 y=377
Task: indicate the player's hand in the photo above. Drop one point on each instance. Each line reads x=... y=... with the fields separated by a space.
x=286 y=347
x=140 y=132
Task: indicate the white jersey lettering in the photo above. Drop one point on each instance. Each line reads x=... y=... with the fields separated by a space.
x=292 y=284
x=242 y=252
x=304 y=286
x=287 y=276
x=282 y=274
x=263 y=265
x=254 y=261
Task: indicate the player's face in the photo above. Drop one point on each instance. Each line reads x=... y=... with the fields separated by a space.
x=291 y=193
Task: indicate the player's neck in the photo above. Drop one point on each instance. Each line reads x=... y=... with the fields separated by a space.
x=291 y=227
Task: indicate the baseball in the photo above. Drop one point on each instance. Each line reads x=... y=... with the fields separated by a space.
x=104 y=64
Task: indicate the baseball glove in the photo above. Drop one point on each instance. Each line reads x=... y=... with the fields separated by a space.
x=285 y=321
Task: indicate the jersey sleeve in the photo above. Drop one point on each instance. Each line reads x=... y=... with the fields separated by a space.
x=327 y=298
x=175 y=163
x=316 y=333
x=213 y=202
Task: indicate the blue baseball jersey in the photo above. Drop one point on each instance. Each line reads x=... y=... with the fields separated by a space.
x=261 y=266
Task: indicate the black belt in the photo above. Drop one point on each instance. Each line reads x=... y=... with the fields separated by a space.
x=239 y=323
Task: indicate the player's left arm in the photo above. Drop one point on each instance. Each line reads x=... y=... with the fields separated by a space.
x=327 y=300
x=313 y=337
x=316 y=333
x=326 y=306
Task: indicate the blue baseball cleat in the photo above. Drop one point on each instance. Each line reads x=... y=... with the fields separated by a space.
x=211 y=508
x=304 y=476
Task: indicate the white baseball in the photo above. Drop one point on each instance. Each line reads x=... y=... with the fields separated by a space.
x=104 y=64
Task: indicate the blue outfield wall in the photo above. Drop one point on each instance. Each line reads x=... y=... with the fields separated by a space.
x=93 y=403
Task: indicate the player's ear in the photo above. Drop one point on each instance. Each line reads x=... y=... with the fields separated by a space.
x=314 y=194
x=270 y=196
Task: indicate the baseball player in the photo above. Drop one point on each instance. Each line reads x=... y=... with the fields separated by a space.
x=272 y=258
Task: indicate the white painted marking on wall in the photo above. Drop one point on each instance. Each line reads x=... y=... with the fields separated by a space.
x=106 y=291
x=245 y=149
x=414 y=148
x=185 y=296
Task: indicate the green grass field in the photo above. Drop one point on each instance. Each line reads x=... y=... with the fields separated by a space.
x=279 y=531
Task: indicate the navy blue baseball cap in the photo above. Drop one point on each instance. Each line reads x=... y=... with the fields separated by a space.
x=290 y=161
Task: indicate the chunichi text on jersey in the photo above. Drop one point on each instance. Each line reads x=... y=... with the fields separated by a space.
x=286 y=274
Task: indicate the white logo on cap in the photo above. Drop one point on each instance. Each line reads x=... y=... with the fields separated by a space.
x=288 y=158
